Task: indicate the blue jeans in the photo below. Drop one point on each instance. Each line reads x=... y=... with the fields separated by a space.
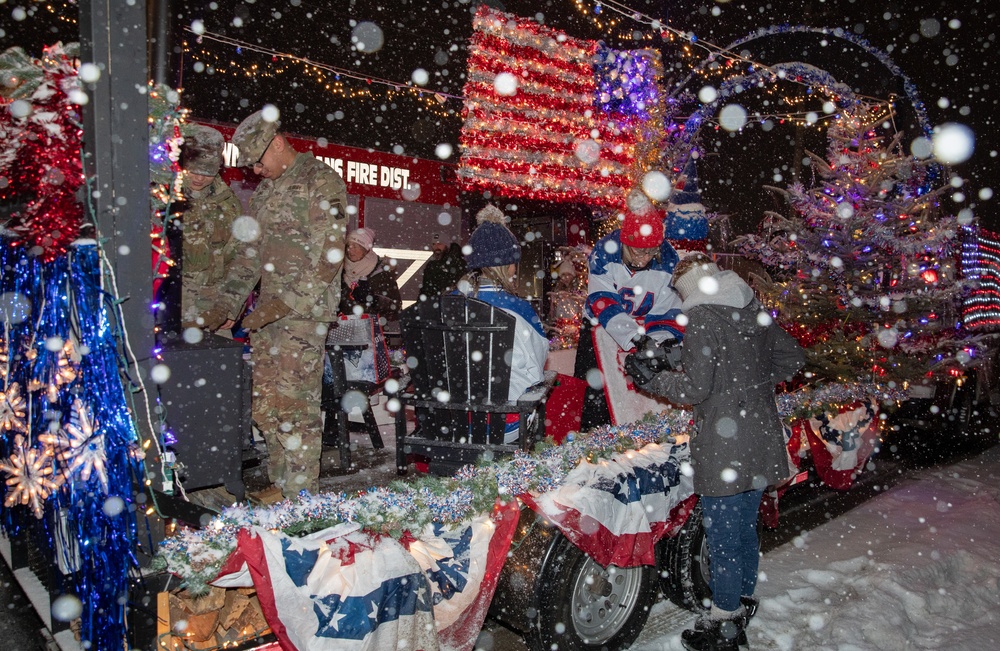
x=733 y=548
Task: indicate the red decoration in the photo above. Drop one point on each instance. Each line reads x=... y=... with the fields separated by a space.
x=45 y=171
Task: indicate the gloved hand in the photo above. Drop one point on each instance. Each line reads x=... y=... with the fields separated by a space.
x=266 y=313
x=659 y=356
x=213 y=319
x=639 y=370
x=641 y=342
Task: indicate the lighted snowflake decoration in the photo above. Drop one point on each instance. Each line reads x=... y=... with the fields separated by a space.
x=4 y=361
x=12 y=409
x=63 y=373
x=31 y=476
x=79 y=448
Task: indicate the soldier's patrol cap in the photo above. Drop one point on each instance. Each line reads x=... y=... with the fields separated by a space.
x=252 y=138
x=202 y=153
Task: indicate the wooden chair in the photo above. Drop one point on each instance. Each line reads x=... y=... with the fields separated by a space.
x=458 y=354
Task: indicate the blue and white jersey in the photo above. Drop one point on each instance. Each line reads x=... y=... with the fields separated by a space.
x=623 y=301
x=531 y=346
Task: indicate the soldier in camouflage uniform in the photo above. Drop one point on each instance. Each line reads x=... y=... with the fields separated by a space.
x=301 y=210
x=209 y=245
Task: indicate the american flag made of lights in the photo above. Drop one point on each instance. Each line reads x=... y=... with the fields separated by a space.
x=556 y=118
x=981 y=266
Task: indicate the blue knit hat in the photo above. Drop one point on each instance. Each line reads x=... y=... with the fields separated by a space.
x=686 y=219
x=492 y=244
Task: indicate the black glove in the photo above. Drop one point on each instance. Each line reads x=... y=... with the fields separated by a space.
x=642 y=342
x=659 y=356
x=639 y=369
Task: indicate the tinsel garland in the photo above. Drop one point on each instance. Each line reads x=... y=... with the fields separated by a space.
x=40 y=138
x=627 y=82
x=71 y=460
x=196 y=555
x=63 y=349
x=754 y=75
x=837 y=32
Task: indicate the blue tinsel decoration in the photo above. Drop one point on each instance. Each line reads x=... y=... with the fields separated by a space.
x=89 y=534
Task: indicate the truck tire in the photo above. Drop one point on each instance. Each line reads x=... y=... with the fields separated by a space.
x=684 y=565
x=586 y=607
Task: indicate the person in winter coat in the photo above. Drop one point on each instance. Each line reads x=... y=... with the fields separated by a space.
x=209 y=246
x=492 y=257
x=733 y=357
x=629 y=296
x=370 y=283
x=443 y=271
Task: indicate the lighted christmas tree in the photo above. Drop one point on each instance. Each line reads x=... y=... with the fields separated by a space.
x=864 y=267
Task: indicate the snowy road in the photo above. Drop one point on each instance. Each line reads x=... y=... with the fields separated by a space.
x=913 y=567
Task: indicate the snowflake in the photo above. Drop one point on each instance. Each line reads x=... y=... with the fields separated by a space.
x=12 y=406
x=79 y=448
x=4 y=361
x=63 y=373
x=31 y=477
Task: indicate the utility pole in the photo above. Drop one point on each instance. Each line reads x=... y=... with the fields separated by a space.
x=116 y=164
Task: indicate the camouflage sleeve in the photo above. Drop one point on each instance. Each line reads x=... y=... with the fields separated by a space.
x=234 y=246
x=243 y=269
x=315 y=261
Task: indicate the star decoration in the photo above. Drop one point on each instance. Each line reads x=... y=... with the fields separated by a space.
x=79 y=447
x=12 y=408
x=31 y=476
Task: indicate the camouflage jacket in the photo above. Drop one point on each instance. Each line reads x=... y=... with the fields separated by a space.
x=209 y=246
x=302 y=217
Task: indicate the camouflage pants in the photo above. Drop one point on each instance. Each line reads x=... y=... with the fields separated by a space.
x=287 y=387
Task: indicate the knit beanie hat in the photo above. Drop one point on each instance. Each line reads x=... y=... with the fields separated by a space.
x=686 y=219
x=492 y=244
x=686 y=283
x=202 y=150
x=363 y=237
x=642 y=230
x=566 y=267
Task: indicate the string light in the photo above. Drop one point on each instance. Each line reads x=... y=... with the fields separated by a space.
x=329 y=77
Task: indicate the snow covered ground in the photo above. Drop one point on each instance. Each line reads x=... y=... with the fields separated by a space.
x=917 y=567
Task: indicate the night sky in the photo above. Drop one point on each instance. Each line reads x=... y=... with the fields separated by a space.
x=947 y=49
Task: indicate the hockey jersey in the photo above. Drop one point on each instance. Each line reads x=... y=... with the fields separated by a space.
x=623 y=301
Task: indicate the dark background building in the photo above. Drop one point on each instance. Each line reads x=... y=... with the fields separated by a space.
x=345 y=70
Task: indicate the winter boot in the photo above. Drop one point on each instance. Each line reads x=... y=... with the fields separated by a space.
x=750 y=605
x=716 y=635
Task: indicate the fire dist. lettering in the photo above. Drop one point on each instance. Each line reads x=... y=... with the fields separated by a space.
x=336 y=163
x=357 y=172
x=371 y=173
x=394 y=177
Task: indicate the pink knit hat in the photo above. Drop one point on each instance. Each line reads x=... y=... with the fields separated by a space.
x=363 y=237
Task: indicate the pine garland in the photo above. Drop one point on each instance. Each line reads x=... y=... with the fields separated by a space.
x=196 y=555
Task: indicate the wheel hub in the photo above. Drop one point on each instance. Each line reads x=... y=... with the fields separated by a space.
x=603 y=600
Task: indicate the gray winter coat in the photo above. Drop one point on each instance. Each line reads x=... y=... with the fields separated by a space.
x=732 y=362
